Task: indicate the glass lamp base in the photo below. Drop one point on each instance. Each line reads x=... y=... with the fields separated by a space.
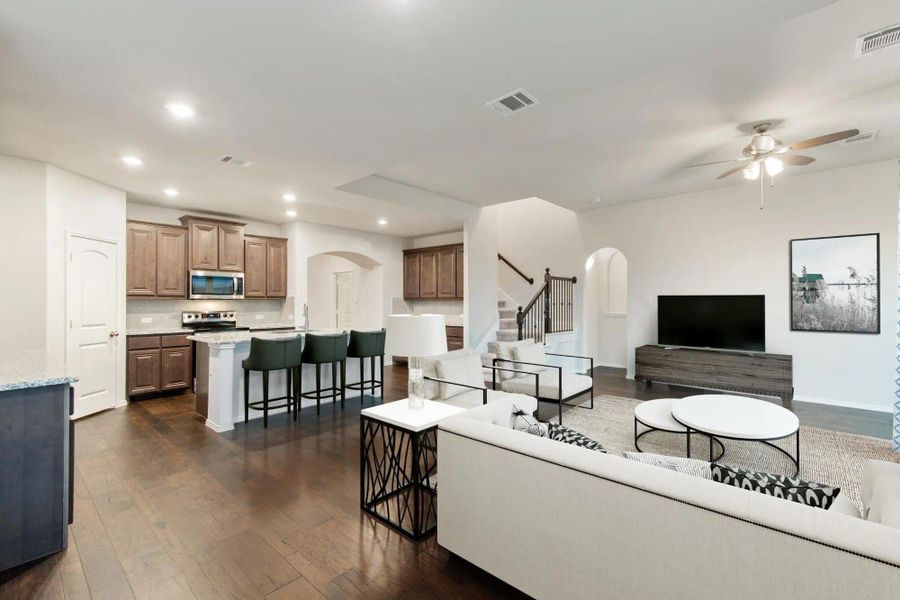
x=416 y=386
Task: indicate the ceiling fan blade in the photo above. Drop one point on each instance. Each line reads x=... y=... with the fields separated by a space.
x=824 y=139
x=718 y=162
x=731 y=171
x=798 y=160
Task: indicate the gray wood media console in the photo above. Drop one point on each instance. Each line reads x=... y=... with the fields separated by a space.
x=728 y=370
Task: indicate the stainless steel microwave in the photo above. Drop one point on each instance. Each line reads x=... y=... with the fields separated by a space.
x=210 y=285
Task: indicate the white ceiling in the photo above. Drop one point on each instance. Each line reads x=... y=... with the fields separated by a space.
x=319 y=94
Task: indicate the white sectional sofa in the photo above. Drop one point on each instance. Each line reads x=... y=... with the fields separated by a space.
x=559 y=521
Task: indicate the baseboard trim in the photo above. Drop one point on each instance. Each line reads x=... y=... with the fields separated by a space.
x=218 y=428
x=844 y=404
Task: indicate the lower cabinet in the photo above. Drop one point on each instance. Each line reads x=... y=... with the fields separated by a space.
x=158 y=364
x=455 y=338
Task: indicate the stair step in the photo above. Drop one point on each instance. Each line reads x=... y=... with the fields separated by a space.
x=507 y=313
x=507 y=335
x=501 y=303
x=508 y=324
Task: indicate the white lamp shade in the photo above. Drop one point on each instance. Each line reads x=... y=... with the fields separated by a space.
x=416 y=335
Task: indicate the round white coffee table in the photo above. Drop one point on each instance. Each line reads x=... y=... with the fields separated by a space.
x=738 y=418
x=656 y=415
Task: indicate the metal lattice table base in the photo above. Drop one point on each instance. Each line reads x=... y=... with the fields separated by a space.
x=398 y=476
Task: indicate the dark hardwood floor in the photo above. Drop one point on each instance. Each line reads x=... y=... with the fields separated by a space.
x=166 y=508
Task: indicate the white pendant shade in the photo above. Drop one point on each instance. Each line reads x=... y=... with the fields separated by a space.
x=416 y=335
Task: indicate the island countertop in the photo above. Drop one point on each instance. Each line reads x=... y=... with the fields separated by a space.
x=31 y=369
x=243 y=337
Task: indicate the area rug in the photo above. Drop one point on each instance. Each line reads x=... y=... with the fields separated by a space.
x=826 y=456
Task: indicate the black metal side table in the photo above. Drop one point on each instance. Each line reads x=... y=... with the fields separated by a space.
x=398 y=464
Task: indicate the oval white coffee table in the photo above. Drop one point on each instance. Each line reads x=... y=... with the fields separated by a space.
x=656 y=415
x=738 y=418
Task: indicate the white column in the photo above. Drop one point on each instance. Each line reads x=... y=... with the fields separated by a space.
x=220 y=412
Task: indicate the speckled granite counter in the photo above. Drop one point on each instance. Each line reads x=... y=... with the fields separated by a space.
x=242 y=337
x=31 y=369
x=159 y=331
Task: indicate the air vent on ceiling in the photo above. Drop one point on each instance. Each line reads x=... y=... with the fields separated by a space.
x=513 y=102
x=866 y=136
x=235 y=161
x=877 y=40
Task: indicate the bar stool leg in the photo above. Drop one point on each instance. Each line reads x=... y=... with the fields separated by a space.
x=287 y=392
x=318 y=388
x=298 y=389
x=372 y=365
x=246 y=395
x=382 y=378
x=334 y=385
x=362 y=378
x=265 y=399
x=343 y=381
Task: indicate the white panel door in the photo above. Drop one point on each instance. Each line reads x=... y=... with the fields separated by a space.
x=92 y=337
x=343 y=285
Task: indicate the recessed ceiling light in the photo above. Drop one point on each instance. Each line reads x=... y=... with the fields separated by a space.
x=132 y=161
x=382 y=222
x=289 y=197
x=180 y=110
x=291 y=213
x=170 y=192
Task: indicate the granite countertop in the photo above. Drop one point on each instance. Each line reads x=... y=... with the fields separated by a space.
x=242 y=337
x=31 y=369
x=158 y=331
x=265 y=326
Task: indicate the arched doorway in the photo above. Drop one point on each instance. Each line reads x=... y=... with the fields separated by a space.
x=344 y=291
x=606 y=307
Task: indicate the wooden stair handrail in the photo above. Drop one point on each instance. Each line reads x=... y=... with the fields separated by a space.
x=547 y=292
x=530 y=280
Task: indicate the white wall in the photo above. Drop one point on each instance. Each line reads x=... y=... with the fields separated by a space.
x=78 y=205
x=23 y=262
x=719 y=242
x=480 y=275
x=438 y=239
x=367 y=291
x=605 y=308
x=170 y=216
x=309 y=239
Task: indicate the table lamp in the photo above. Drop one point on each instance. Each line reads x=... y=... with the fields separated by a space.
x=416 y=336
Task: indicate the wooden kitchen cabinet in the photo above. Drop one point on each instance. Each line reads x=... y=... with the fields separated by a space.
x=254 y=267
x=460 y=267
x=428 y=275
x=140 y=269
x=175 y=368
x=276 y=268
x=204 y=246
x=143 y=372
x=231 y=247
x=455 y=338
x=433 y=273
x=171 y=262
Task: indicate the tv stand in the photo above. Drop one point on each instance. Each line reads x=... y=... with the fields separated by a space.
x=727 y=370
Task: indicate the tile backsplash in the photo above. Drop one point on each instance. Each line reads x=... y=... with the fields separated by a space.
x=158 y=314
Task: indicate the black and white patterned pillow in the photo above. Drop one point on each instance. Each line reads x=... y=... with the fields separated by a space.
x=779 y=486
x=523 y=421
x=688 y=466
x=561 y=433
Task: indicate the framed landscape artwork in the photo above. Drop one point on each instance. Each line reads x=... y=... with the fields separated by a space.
x=835 y=284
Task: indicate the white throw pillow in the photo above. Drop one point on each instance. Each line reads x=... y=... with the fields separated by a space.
x=532 y=353
x=688 y=466
x=504 y=350
x=429 y=369
x=463 y=369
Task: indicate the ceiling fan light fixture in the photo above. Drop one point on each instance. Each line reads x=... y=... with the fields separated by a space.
x=762 y=143
x=774 y=166
x=751 y=171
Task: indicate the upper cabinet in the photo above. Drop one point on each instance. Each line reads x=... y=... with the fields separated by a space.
x=214 y=245
x=156 y=260
x=433 y=273
x=265 y=267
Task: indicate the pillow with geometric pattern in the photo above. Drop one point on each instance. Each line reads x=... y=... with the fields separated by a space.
x=523 y=421
x=779 y=486
x=561 y=433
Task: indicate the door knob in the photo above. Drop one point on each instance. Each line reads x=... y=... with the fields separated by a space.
x=113 y=333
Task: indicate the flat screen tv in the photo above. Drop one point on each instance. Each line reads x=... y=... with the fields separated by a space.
x=724 y=322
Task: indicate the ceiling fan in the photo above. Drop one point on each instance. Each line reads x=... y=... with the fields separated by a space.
x=766 y=155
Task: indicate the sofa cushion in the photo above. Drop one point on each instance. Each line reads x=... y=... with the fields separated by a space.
x=844 y=505
x=531 y=353
x=429 y=369
x=573 y=383
x=881 y=492
x=504 y=350
x=779 y=486
x=688 y=466
x=464 y=369
x=521 y=420
x=561 y=433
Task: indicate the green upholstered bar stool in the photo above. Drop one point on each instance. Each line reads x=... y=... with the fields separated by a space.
x=266 y=356
x=363 y=345
x=322 y=349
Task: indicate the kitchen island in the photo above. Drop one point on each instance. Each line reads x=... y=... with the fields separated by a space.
x=219 y=385
x=36 y=461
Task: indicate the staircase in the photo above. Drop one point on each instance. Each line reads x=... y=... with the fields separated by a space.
x=508 y=331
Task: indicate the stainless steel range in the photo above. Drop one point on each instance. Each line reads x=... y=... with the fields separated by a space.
x=211 y=321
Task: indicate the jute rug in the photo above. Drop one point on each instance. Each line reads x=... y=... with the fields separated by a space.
x=826 y=456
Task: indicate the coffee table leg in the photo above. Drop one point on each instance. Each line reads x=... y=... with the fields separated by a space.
x=798 y=453
x=688 y=442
